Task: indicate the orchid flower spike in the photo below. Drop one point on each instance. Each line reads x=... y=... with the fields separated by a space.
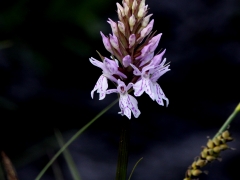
x=134 y=63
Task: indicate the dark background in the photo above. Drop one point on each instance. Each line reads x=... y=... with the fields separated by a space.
x=46 y=76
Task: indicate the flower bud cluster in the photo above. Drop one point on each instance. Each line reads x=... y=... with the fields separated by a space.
x=209 y=153
x=133 y=63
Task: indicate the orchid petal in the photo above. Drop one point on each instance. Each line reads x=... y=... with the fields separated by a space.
x=160 y=95
x=139 y=87
x=114 y=41
x=126 y=60
x=106 y=43
x=149 y=89
x=158 y=58
x=146 y=59
x=113 y=26
x=135 y=70
x=157 y=74
x=134 y=107
x=110 y=91
x=95 y=62
x=144 y=51
x=101 y=87
x=131 y=40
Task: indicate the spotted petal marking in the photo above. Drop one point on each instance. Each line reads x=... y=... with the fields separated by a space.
x=101 y=87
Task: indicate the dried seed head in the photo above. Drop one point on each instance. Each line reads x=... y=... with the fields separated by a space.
x=216 y=141
x=210 y=144
x=217 y=149
x=196 y=172
x=226 y=135
x=208 y=154
x=120 y=11
x=223 y=147
x=200 y=162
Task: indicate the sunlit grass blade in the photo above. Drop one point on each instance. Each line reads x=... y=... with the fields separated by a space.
x=67 y=156
x=134 y=167
x=74 y=137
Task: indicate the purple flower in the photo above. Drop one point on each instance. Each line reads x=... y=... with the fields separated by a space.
x=134 y=62
x=110 y=68
x=148 y=80
x=127 y=103
x=101 y=87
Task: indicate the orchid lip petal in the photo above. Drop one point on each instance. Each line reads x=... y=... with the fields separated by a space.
x=160 y=96
x=127 y=103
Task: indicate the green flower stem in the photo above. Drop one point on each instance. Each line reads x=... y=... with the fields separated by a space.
x=229 y=120
x=74 y=137
x=122 y=164
x=134 y=167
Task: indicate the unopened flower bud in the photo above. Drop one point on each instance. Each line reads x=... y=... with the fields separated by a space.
x=142 y=4
x=121 y=27
x=126 y=61
x=146 y=20
x=134 y=6
x=144 y=51
x=132 y=22
x=114 y=41
x=131 y=40
x=154 y=42
x=120 y=10
x=106 y=43
x=140 y=13
x=125 y=8
x=146 y=30
x=127 y=1
x=158 y=58
x=142 y=9
x=113 y=26
x=146 y=59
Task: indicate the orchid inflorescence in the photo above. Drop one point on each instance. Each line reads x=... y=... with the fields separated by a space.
x=133 y=63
